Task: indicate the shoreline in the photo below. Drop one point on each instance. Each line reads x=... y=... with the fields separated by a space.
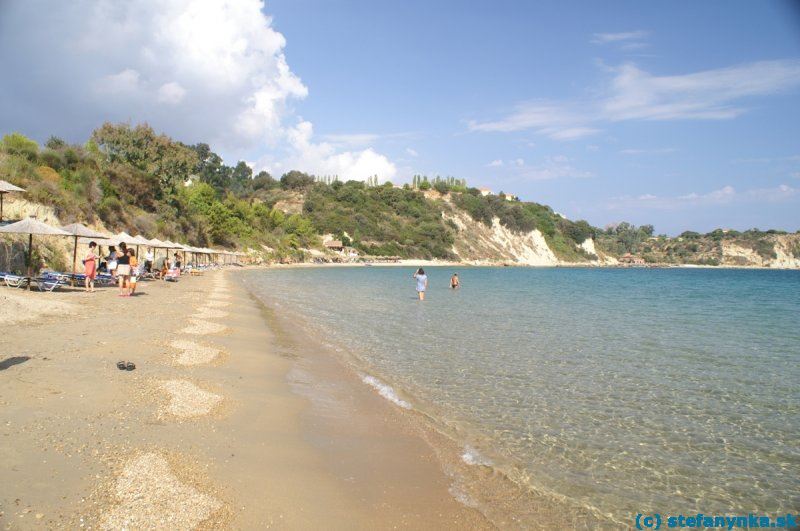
x=480 y=479
x=566 y=265
x=291 y=438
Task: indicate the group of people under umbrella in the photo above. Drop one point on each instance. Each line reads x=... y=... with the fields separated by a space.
x=78 y=232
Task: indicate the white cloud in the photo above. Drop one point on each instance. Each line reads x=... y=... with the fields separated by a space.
x=351 y=139
x=605 y=38
x=634 y=94
x=323 y=159
x=412 y=152
x=647 y=151
x=171 y=93
x=495 y=163
x=557 y=167
x=200 y=70
x=722 y=196
x=125 y=82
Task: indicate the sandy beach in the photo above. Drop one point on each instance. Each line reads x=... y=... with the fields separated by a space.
x=228 y=421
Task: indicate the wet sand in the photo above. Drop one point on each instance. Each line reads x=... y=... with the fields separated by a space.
x=230 y=420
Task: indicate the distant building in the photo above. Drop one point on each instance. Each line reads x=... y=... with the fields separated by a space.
x=485 y=191
x=511 y=197
x=628 y=258
x=335 y=245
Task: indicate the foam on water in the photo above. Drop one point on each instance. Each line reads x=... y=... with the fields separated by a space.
x=385 y=391
x=472 y=457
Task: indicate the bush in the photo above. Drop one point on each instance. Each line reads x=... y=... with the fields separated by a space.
x=17 y=144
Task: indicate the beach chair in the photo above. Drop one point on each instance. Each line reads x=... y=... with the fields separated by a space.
x=14 y=281
x=48 y=283
x=172 y=275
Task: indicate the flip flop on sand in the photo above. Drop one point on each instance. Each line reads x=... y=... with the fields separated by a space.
x=121 y=365
x=130 y=366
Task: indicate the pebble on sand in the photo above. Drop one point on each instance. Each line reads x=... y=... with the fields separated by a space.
x=200 y=327
x=152 y=497
x=187 y=400
x=193 y=353
x=210 y=313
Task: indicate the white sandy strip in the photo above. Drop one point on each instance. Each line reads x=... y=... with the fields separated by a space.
x=192 y=353
x=152 y=497
x=218 y=304
x=18 y=306
x=187 y=400
x=200 y=327
x=210 y=313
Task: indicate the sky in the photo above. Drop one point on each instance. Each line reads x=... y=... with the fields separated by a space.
x=684 y=115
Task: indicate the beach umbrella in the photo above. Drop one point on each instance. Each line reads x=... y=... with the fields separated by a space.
x=31 y=226
x=6 y=187
x=77 y=230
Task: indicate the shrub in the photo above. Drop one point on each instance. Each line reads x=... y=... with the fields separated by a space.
x=18 y=144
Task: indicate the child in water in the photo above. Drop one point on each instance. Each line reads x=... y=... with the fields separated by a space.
x=422 y=283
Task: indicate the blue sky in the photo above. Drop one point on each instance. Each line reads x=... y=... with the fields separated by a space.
x=680 y=114
x=415 y=74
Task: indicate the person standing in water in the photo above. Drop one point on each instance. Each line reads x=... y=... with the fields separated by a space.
x=422 y=283
x=454 y=282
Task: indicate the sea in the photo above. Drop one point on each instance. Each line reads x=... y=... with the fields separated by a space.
x=613 y=391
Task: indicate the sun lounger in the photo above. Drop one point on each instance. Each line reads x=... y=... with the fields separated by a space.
x=172 y=275
x=48 y=283
x=14 y=281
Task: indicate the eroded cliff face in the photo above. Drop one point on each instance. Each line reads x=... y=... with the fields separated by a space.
x=786 y=249
x=476 y=242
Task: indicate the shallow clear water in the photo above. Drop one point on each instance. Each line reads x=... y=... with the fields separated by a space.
x=625 y=391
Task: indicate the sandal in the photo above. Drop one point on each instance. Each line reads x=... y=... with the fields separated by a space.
x=130 y=366
x=121 y=365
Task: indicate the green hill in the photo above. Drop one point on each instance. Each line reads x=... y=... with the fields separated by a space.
x=133 y=179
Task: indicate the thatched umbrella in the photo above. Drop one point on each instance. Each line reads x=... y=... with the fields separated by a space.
x=6 y=187
x=31 y=226
x=77 y=230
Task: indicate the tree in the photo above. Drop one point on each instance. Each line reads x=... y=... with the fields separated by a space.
x=143 y=149
x=55 y=143
x=18 y=144
x=296 y=180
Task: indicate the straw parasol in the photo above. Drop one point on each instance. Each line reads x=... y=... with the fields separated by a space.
x=78 y=230
x=31 y=226
x=6 y=187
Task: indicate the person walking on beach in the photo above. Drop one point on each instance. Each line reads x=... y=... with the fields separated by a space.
x=148 y=261
x=135 y=271
x=123 y=269
x=454 y=282
x=90 y=267
x=111 y=261
x=422 y=283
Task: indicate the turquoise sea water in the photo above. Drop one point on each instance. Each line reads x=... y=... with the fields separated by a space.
x=618 y=390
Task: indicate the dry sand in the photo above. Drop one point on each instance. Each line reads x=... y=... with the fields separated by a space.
x=82 y=442
x=17 y=305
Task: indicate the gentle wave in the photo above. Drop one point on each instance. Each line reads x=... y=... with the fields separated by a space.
x=385 y=391
x=472 y=457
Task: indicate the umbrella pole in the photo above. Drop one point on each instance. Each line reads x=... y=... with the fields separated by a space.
x=74 y=261
x=30 y=259
x=1 y=206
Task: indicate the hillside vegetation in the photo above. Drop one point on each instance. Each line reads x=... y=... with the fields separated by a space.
x=134 y=179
